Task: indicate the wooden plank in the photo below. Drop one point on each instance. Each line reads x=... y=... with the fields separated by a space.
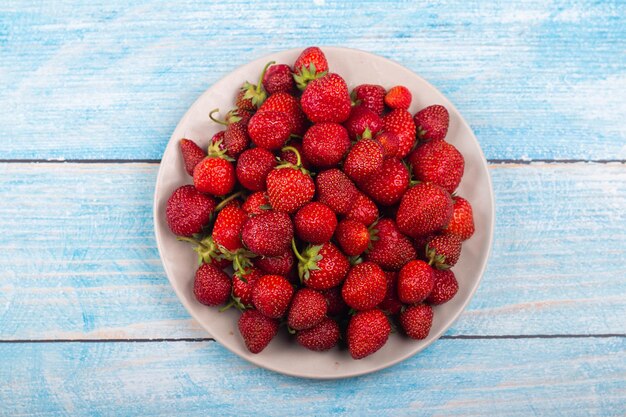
x=568 y=377
x=78 y=256
x=104 y=80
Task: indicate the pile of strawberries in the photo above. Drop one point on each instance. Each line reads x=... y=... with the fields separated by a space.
x=334 y=210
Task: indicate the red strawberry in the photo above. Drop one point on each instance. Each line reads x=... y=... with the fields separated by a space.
x=256 y=203
x=387 y=185
x=315 y=223
x=218 y=140
x=415 y=281
x=462 y=222
x=289 y=186
x=228 y=226
x=278 y=79
x=268 y=234
x=188 y=211
x=307 y=310
x=243 y=284
x=443 y=251
x=253 y=166
x=257 y=330
x=419 y=243
x=270 y=129
x=271 y=295
x=368 y=331
x=370 y=96
x=365 y=286
x=335 y=190
x=287 y=155
x=398 y=97
x=417 y=320
x=288 y=104
x=322 y=337
x=326 y=99
x=325 y=144
x=400 y=122
x=276 y=265
x=322 y=266
x=389 y=142
x=364 y=159
x=445 y=287
x=362 y=119
x=424 y=209
x=211 y=286
x=432 y=123
x=352 y=236
x=192 y=154
x=336 y=305
x=363 y=210
x=391 y=304
x=438 y=162
x=251 y=96
x=311 y=64
x=235 y=137
x=392 y=250
x=215 y=174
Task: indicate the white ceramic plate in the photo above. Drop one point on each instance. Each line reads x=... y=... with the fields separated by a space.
x=283 y=355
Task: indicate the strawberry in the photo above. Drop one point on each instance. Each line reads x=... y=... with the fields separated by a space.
x=387 y=185
x=211 y=285
x=365 y=286
x=307 y=310
x=289 y=186
x=392 y=250
x=253 y=166
x=322 y=337
x=326 y=99
x=235 y=137
x=256 y=203
x=415 y=281
x=311 y=64
x=270 y=129
x=352 y=236
x=228 y=226
x=243 y=283
x=391 y=304
x=336 y=305
x=364 y=159
x=188 y=211
x=363 y=210
x=268 y=234
x=370 y=96
x=322 y=266
x=278 y=79
x=438 y=162
x=445 y=287
x=424 y=209
x=251 y=96
x=287 y=155
x=389 y=142
x=443 y=251
x=257 y=330
x=462 y=222
x=335 y=190
x=325 y=144
x=362 y=119
x=276 y=265
x=417 y=320
x=398 y=97
x=419 y=243
x=367 y=332
x=192 y=154
x=215 y=174
x=315 y=223
x=288 y=104
x=218 y=140
x=400 y=122
x=271 y=295
x=432 y=123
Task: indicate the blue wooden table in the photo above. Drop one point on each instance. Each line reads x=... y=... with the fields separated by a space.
x=89 y=95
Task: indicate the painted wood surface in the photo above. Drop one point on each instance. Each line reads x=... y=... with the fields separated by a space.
x=78 y=249
x=553 y=377
x=107 y=80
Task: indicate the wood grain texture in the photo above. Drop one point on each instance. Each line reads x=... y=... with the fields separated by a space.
x=78 y=256
x=107 y=80
x=564 y=377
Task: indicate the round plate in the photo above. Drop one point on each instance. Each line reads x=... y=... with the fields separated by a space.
x=284 y=355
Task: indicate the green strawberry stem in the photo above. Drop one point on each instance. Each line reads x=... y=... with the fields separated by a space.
x=294 y=150
x=295 y=251
x=217 y=120
x=227 y=200
x=260 y=83
x=188 y=239
x=227 y=306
